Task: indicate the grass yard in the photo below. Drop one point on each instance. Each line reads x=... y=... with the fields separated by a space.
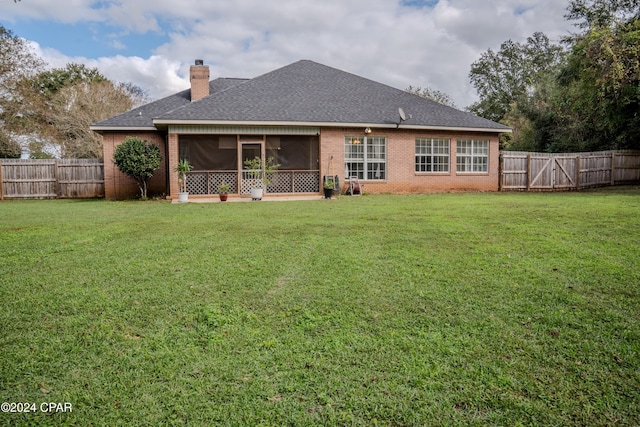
x=451 y=309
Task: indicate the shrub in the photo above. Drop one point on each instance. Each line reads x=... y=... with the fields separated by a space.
x=9 y=148
x=139 y=159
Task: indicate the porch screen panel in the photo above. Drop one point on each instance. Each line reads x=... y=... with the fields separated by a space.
x=209 y=152
x=293 y=152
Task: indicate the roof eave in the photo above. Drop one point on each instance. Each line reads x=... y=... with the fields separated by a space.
x=122 y=128
x=457 y=128
x=166 y=122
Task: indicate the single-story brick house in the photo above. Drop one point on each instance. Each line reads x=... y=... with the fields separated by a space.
x=315 y=121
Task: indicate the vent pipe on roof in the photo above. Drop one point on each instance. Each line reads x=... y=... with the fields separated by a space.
x=199 y=78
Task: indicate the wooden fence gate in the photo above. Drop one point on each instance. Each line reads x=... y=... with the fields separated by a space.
x=557 y=172
x=66 y=178
x=554 y=173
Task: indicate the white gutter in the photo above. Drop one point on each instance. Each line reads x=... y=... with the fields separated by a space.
x=122 y=128
x=455 y=129
x=325 y=124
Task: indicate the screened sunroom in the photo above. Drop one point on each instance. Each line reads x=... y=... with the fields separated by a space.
x=218 y=158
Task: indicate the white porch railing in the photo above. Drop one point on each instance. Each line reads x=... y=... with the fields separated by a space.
x=284 y=181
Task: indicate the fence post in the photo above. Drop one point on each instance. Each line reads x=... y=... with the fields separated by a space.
x=528 y=172
x=578 y=157
x=613 y=168
x=56 y=176
x=501 y=171
x=1 y=184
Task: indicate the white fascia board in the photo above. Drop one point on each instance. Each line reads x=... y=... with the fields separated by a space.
x=122 y=128
x=264 y=123
x=456 y=129
x=326 y=124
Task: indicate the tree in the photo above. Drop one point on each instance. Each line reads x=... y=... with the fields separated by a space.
x=16 y=62
x=138 y=159
x=9 y=148
x=600 y=81
x=432 y=94
x=57 y=106
x=511 y=74
x=602 y=13
x=54 y=108
x=582 y=99
x=514 y=85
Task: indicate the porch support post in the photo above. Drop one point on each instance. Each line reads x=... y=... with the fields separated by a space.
x=240 y=163
x=172 y=153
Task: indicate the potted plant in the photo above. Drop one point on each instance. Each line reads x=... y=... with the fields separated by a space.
x=329 y=186
x=259 y=175
x=223 y=191
x=182 y=169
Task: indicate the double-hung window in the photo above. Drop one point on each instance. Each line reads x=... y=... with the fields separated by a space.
x=432 y=155
x=365 y=157
x=472 y=155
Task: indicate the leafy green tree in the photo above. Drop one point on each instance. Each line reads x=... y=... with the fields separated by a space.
x=432 y=94
x=585 y=98
x=511 y=74
x=602 y=13
x=9 y=148
x=510 y=85
x=601 y=80
x=17 y=61
x=138 y=159
x=57 y=107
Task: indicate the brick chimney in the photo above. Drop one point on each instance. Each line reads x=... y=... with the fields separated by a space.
x=199 y=77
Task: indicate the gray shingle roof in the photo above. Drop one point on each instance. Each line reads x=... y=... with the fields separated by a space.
x=142 y=117
x=306 y=92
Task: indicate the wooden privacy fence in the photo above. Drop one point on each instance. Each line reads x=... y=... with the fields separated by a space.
x=67 y=178
x=572 y=171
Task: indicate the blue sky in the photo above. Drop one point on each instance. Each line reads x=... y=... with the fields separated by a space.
x=89 y=39
x=151 y=43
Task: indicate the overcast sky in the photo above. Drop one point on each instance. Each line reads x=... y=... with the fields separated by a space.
x=151 y=43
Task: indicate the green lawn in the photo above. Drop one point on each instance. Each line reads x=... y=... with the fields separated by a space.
x=450 y=309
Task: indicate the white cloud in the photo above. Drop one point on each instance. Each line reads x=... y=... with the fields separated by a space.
x=378 y=39
x=157 y=75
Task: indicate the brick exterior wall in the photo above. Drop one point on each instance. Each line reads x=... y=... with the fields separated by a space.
x=118 y=186
x=172 y=152
x=401 y=174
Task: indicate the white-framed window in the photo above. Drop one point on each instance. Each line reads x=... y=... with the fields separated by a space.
x=365 y=157
x=432 y=154
x=472 y=155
